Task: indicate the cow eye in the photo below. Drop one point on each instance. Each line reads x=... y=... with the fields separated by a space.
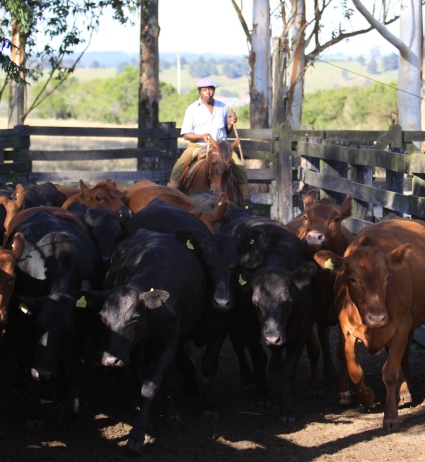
x=352 y=280
x=99 y=198
x=305 y=217
x=336 y=219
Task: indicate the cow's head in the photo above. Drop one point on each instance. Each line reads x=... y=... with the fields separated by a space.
x=48 y=321
x=276 y=292
x=104 y=195
x=122 y=312
x=219 y=256
x=367 y=272
x=322 y=221
x=8 y=261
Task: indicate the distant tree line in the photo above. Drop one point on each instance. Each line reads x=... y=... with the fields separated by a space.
x=114 y=100
x=200 y=67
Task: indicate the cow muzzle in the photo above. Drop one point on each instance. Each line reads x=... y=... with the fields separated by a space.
x=111 y=360
x=379 y=319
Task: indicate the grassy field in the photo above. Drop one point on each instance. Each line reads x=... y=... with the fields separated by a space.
x=322 y=76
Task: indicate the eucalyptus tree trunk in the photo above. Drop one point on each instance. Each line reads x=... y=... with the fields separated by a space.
x=410 y=59
x=16 y=89
x=260 y=65
x=149 y=67
x=297 y=64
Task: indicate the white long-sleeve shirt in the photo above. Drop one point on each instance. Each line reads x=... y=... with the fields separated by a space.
x=199 y=120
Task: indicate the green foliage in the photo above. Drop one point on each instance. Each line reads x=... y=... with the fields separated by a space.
x=201 y=68
x=390 y=62
x=372 y=67
x=351 y=108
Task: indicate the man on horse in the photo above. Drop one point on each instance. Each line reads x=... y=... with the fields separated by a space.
x=203 y=119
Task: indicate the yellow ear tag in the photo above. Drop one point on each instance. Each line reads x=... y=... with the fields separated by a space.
x=242 y=281
x=24 y=308
x=328 y=264
x=251 y=241
x=220 y=203
x=246 y=207
x=190 y=245
x=81 y=303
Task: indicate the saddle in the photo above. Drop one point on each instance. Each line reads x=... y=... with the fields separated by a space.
x=198 y=158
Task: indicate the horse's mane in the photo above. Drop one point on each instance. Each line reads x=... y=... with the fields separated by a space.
x=225 y=150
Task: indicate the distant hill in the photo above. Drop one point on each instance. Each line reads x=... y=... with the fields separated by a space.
x=95 y=59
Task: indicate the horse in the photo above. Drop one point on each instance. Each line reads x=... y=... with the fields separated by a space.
x=211 y=170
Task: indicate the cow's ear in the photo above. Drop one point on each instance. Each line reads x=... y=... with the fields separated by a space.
x=327 y=260
x=302 y=275
x=398 y=256
x=345 y=208
x=18 y=245
x=188 y=239
x=251 y=240
x=154 y=298
x=309 y=198
x=84 y=189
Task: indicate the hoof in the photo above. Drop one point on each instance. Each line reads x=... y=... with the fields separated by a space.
x=345 y=398
x=137 y=446
x=287 y=420
x=264 y=403
x=391 y=425
x=173 y=418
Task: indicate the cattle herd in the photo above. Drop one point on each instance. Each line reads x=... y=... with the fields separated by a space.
x=141 y=276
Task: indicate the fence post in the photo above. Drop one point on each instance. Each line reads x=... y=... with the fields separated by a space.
x=394 y=181
x=284 y=174
x=168 y=145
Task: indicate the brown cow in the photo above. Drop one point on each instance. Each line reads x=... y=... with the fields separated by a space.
x=380 y=298
x=320 y=227
x=144 y=191
x=12 y=205
x=8 y=261
x=104 y=195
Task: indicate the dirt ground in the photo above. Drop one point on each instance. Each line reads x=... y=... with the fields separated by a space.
x=324 y=431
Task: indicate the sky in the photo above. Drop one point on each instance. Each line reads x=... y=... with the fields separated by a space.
x=212 y=26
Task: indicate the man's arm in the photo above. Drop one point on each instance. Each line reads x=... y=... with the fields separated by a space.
x=231 y=120
x=193 y=137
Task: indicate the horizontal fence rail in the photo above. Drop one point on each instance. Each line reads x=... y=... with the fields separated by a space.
x=384 y=170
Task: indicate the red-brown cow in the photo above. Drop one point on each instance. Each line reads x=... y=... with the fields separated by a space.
x=380 y=298
x=8 y=261
x=320 y=227
x=104 y=195
x=144 y=191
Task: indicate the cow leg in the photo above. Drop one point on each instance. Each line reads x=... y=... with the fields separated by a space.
x=35 y=410
x=404 y=379
x=141 y=432
x=259 y=362
x=344 y=393
x=313 y=353
x=391 y=376
x=329 y=370
x=187 y=368
x=364 y=394
x=209 y=370
x=290 y=364
x=171 y=412
x=239 y=345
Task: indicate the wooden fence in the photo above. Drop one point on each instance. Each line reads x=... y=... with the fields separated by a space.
x=383 y=170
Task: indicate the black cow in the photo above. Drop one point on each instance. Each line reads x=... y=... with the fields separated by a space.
x=154 y=295
x=106 y=226
x=45 y=327
x=206 y=201
x=219 y=258
x=36 y=194
x=275 y=306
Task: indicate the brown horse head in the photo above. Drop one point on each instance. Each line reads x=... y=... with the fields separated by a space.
x=218 y=167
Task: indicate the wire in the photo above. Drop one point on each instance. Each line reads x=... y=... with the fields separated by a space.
x=369 y=78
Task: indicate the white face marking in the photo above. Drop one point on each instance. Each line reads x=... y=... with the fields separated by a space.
x=43 y=339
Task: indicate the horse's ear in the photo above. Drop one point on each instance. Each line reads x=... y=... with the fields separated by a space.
x=214 y=143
